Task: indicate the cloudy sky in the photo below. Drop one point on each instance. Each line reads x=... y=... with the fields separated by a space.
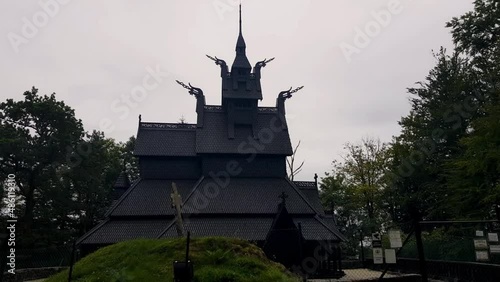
x=355 y=58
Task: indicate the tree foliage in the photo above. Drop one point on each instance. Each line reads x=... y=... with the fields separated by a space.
x=445 y=163
x=65 y=176
x=37 y=134
x=355 y=189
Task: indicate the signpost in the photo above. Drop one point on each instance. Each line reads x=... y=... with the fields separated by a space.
x=376 y=240
x=390 y=256
x=378 y=257
x=481 y=246
x=395 y=239
x=493 y=237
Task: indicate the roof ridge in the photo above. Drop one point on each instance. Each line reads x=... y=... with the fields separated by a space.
x=306 y=185
x=166 y=125
x=122 y=198
x=91 y=231
x=336 y=232
x=166 y=229
x=192 y=191
x=301 y=195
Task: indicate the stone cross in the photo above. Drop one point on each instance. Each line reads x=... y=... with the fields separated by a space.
x=177 y=204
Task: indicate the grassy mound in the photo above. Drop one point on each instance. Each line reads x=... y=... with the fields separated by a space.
x=214 y=259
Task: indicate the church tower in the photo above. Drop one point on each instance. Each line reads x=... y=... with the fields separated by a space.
x=241 y=89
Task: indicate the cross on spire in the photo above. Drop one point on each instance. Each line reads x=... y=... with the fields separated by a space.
x=241 y=61
x=283 y=197
x=240 y=17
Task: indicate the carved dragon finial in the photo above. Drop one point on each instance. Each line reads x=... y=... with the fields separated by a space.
x=263 y=63
x=217 y=61
x=195 y=91
x=223 y=66
x=288 y=93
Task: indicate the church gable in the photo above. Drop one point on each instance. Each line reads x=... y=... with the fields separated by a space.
x=272 y=138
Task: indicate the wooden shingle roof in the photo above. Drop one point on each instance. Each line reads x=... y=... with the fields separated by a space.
x=167 y=139
x=213 y=137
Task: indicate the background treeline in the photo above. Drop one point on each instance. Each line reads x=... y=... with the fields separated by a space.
x=64 y=174
x=445 y=163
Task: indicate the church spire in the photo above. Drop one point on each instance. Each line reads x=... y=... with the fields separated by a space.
x=241 y=65
x=240 y=18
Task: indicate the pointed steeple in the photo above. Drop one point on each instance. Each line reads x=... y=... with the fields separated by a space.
x=241 y=65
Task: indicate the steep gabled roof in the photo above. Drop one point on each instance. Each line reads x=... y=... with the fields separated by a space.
x=175 y=140
x=245 y=196
x=151 y=197
x=309 y=189
x=113 y=231
x=249 y=228
x=122 y=182
x=165 y=139
x=213 y=137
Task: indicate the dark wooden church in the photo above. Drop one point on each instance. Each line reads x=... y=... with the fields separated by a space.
x=230 y=171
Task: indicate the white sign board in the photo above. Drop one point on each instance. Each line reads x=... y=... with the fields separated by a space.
x=482 y=256
x=378 y=257
x=495 y=249
x=390 y=256
x=479 y=233
x=395 y=239
x=493 y=237
x=480 y=244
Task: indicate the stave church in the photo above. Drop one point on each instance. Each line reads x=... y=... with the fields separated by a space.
x=228 y=172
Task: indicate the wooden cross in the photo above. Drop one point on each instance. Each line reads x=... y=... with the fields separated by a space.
x=283 y=197
x=177 y=204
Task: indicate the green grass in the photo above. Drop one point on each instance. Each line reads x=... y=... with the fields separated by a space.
x=214 y=259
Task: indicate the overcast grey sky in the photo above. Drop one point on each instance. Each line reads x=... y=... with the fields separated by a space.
x=94 y=53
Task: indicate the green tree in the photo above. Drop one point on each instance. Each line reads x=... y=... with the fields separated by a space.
x=338 y=199
x=356 y=188
x=474 y=175
x=91 y=183
x=442 y=108
x=476 y=34
x=131 y=162
x=36 y=135
x=65 y=176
